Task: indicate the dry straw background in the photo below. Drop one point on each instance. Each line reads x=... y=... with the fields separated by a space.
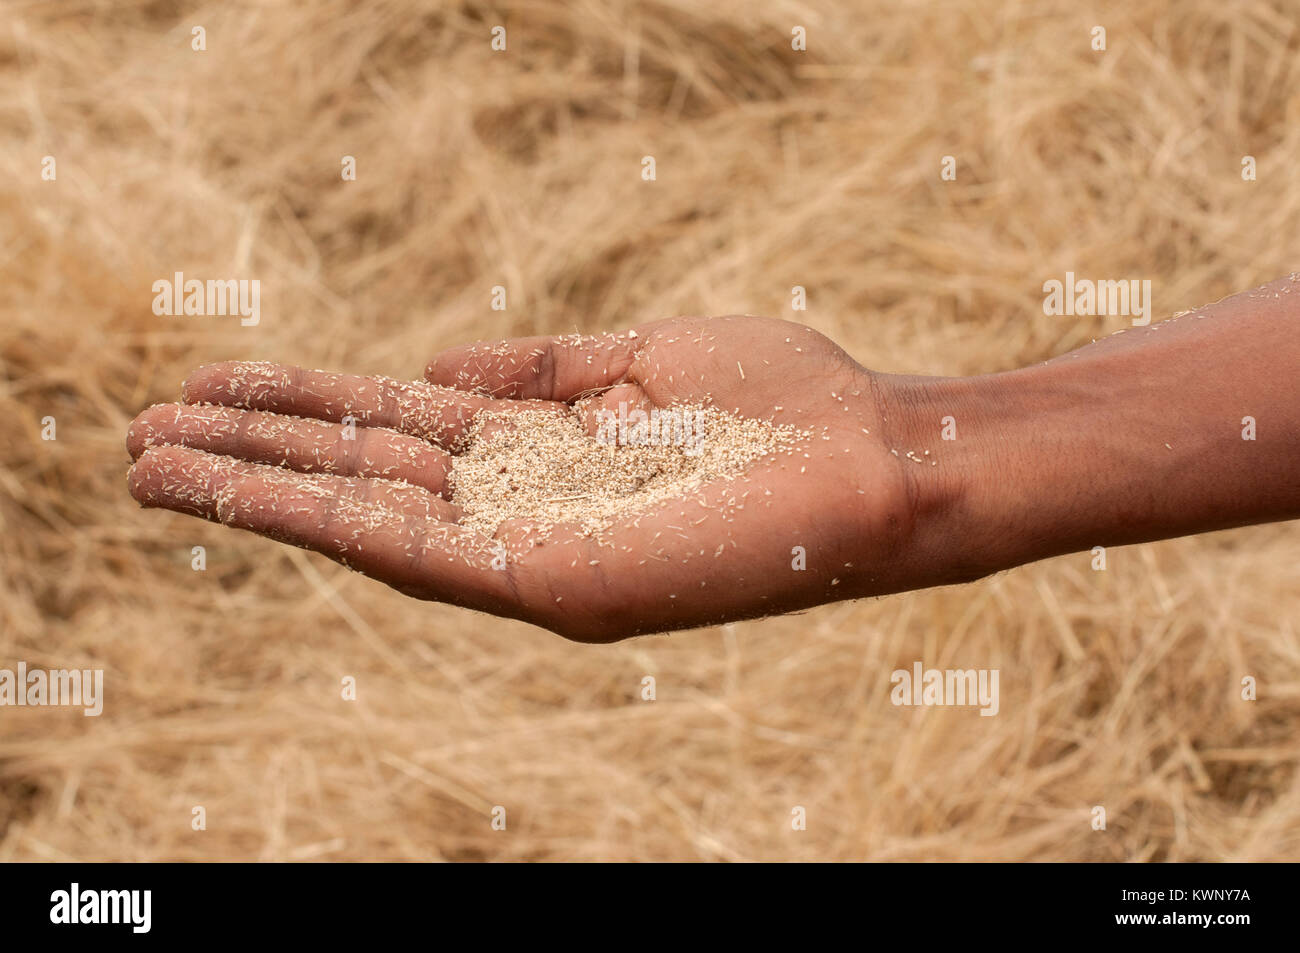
x=476 y=168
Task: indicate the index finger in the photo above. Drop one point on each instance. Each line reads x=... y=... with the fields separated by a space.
x=440 y=414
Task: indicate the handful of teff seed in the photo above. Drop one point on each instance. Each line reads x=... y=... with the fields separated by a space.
x=544 y=467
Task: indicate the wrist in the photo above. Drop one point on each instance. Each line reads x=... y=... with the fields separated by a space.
x=1139 y=436
x=960 y=447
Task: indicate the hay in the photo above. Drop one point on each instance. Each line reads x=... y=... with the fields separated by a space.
x=523 y=169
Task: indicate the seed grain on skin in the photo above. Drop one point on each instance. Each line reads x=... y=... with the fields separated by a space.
x=545 y=468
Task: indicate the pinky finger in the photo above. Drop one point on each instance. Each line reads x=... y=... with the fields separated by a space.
x=396 y=533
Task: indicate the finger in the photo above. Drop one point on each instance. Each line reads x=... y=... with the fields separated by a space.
x=262 y=497
x=302 y=444
x=611 y=407
x=440 y=414
x=398 y=534
x=544 y=368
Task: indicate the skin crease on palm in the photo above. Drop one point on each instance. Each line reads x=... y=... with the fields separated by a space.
x=261 y=447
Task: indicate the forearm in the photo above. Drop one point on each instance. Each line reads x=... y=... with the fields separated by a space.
x=1136 y=437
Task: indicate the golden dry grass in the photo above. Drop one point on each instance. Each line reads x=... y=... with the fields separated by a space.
x=476 y=168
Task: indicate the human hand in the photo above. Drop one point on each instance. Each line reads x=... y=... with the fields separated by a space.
x=899 y=483
x=263 y=447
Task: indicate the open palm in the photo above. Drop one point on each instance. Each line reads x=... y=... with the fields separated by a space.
x=356 y=468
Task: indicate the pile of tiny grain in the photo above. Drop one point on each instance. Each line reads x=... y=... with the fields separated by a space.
x=544 y=467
